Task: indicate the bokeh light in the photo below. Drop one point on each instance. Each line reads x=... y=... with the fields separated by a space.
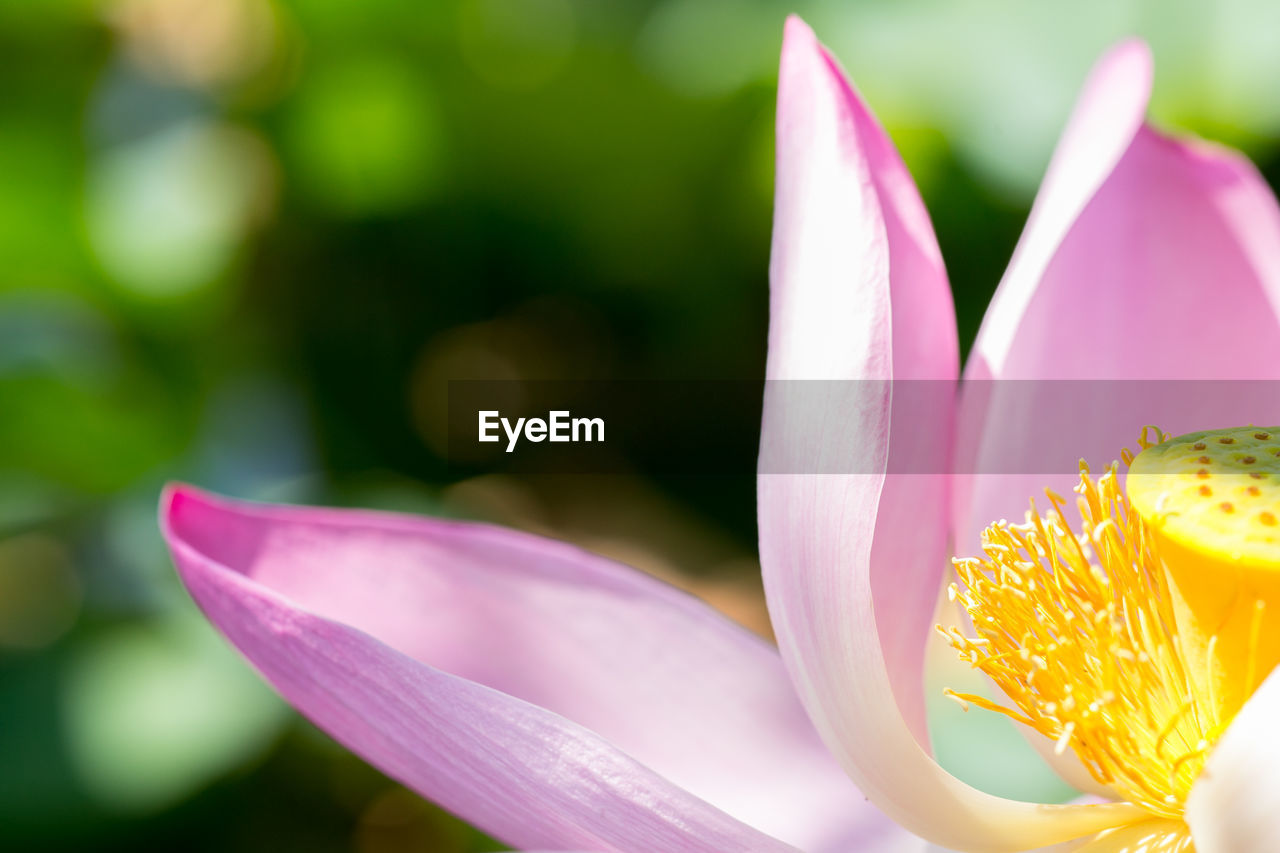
x=153 y=713
x=39 y=592
x=365 y=135
x=516 y=44
x=167 y=214
x=198 y=43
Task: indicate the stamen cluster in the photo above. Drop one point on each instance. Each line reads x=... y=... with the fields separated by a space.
x=1078 y=632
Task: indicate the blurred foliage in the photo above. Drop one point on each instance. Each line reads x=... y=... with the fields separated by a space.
x=245 y=242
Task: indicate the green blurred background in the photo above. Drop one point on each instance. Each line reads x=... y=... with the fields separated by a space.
x=245 y=243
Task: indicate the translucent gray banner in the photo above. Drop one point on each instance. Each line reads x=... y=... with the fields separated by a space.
x=714 y=427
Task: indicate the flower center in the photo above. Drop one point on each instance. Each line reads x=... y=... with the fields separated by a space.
x=1135 y=642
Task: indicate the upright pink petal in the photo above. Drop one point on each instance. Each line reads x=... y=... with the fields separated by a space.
x=850 y=572
x=1168 y=272
x=428 y=646
x=1107 y=116
x=1171 y=272
x=860 y=293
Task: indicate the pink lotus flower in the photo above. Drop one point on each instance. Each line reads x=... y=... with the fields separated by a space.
x=560 y=701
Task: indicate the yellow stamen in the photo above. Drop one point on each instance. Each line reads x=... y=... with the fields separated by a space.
x=1136 y=641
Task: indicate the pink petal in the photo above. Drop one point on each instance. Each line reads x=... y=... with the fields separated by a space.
x=1235 y=804
x=1169 y=271
x=397 y=634
x=1010 y=435
x=860 y=293
x=1107 y=115
x=832 y=544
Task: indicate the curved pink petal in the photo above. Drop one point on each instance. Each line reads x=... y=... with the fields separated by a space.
x=339 y=607
x=1234 y=806
x=1169 y=272
x=836 y=316
x=844 y=195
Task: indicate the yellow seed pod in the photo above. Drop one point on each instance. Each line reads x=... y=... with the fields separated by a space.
x=1211 y=501
x=1216 y=492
